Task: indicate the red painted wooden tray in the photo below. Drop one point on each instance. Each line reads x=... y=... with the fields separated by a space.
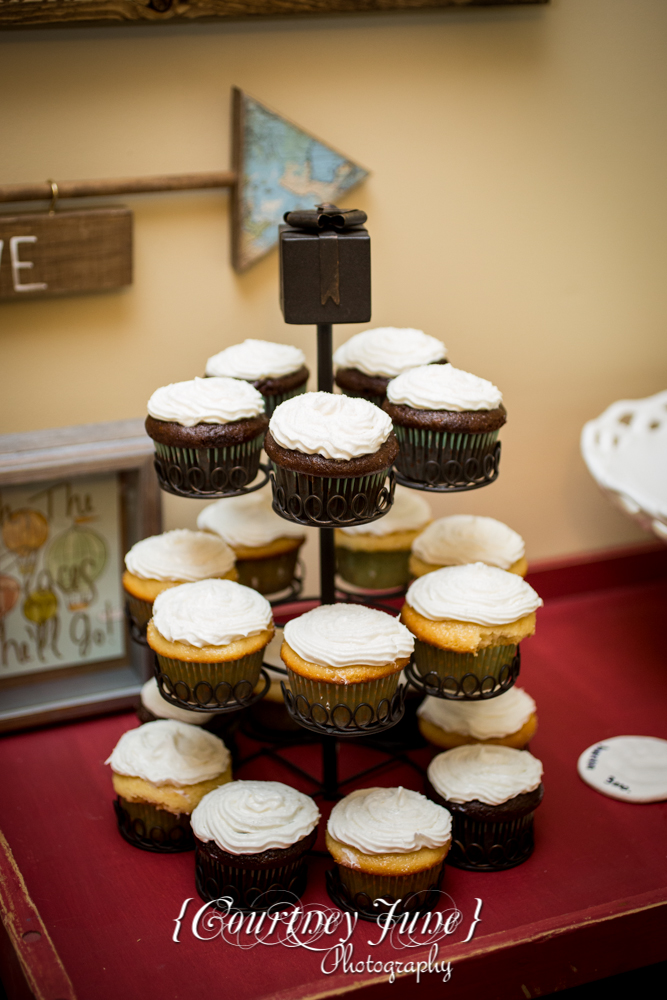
x=592 y=900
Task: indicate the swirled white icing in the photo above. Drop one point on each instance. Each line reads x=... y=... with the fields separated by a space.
x=180 y=554
x=168 y=752
x=389 y=350
x=484 y=772
x=409 y=512
x=443 y=387
x=344 y=635
x=247 y=520
x=465 y=538
x=489 y=719
x=206 y=401
x=389 y=821
x=476 y=593
x=334 y=426
x=247 y=817
x=254 y=359
x=163 y=709
x=210 y=613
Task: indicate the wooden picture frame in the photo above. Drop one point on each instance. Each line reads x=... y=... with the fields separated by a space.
x=109 y=461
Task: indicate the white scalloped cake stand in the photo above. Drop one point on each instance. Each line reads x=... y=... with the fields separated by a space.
x=625 y=449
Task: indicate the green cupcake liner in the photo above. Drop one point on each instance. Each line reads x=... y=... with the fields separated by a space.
x=395 y=887
x=209 y=685
x=373 y=570
x=269 y=575
x=200 y=471
x=344 y=705
x=461 y=673
x=151 y=828
x=443 y=458
x=271 y=402
x=140 y=611
x=326 y=501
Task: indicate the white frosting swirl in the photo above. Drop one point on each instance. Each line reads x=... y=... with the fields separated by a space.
x=254 y=359
x=206 y=401
x=335 y=426
x=168 y=752
x=443 y=387
x=180 y=554
x=466 y=538
x=409 y=512
x=247 y=817
x=247 y=520
x=344 y=635
x=210 y=613
x=485 y=773
x=155 y=703
x=476 y=593
x=389 y=821
x=389 y=350
x=489 y=719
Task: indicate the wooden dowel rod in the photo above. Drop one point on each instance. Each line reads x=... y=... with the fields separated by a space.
x=125 y=185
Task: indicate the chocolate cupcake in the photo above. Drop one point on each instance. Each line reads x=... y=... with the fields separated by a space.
x=468 y=622
x=447 y=423
x=331 y=458
x=389 y=844
x=265 y=545
x=510 y=720
x=208 y=435
x=465 y=538
x=369 y=360
x=162 y=561
x=209 y=639
x=492 y=793
x=160 y=772
x=278 y=371
x=252 y=838
x=375 y=556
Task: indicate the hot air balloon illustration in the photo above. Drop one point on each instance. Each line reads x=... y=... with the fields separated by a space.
x=40 y=607
x=10 y=590
x=24 y=531
x=75 y=559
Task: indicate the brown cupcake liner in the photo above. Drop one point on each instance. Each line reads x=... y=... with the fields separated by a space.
x=452 y=674
x=331 y=502
x=344 y=705
x=207 y=471
x=479 y=845
x=269 y=575
x=453 y=460
x=152 y=829
x=208 y=686
x=373 y=570
x=358 y=891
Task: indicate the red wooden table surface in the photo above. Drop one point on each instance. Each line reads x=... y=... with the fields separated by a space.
x=590 y=902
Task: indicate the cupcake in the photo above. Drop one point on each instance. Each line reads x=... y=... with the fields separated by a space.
x=331 y=456
x=468 y=622
x=447 y=422
x=162 y=561
x=278 y=371
x=252 y=838
x=209 y=638
x=266 y=546
x=388 y=844
x=375 y=556
x=343 y=665
x=367 y=361
x=208 y=435
x=465 y=538
x=492 y=793
x=160 y=772
x=508 y=720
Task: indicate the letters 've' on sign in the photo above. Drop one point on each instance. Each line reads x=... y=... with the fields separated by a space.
x=89 y=250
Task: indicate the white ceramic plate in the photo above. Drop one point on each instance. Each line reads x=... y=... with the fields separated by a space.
x=630 y=768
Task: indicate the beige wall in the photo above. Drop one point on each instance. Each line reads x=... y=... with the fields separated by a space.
x=517 y=207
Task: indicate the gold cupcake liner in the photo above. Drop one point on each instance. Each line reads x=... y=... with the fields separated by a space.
x=269 y=575
x=209 y=685
x=373 y=570
x=393 y=887
x=140 y=611
x=489 y=662
x=344 y=705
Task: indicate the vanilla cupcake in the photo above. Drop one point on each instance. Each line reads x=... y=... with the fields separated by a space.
x=492 y=793
x=509 y=720
x=369 y=360
x=447 y=422
x=346 y=661
x=278 y=371
x=162 y=561
x=466 y=538
x=209 y=638
x=252 y=838
x=331 y=457
x=208 y=435
x=375 y=556
x=389 y=844
x=468 y=622
x=160 y=772
x=265 y=545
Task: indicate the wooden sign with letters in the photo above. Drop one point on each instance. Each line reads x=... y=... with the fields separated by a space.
x=64 y=252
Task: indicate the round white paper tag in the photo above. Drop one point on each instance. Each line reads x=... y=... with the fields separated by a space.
x=630 y=768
